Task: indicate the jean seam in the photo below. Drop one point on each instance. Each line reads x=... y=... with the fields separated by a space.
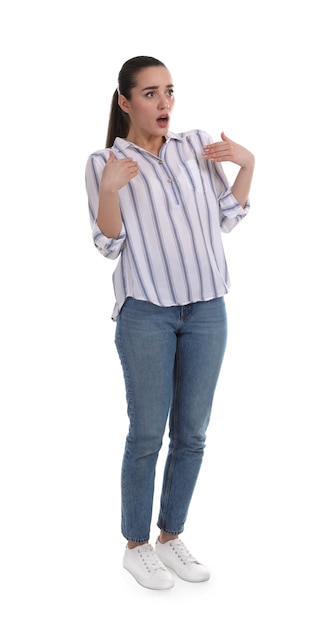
x=175 y=441
x=129 y=405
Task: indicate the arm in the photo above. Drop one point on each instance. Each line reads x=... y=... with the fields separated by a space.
x=116 y=174
x=227 y=150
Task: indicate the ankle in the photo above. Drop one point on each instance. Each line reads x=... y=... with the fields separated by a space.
x=163 y=536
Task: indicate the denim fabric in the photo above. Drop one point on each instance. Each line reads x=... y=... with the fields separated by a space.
x=171 y=359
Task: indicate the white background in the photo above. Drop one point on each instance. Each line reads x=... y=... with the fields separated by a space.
x=261 y=515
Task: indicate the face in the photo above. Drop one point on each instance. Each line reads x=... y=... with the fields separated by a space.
x=151 y=102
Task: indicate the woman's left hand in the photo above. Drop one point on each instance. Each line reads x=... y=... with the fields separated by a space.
x=228 y=150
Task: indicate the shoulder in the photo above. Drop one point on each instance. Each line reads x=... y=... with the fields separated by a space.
x=99 y=155
x=117 y=148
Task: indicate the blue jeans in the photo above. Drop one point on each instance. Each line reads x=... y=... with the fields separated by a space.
x=171 y=359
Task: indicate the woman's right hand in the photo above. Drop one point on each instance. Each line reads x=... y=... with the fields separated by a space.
x=117 y=173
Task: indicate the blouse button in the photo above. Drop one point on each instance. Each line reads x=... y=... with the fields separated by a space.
x=169 y=180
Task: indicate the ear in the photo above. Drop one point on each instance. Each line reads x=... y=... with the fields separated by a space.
x=123 y=103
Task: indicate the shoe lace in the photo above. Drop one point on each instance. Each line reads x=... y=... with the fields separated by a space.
x=182 y=552
x=150 y=558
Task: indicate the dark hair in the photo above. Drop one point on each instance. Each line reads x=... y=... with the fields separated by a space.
x=118 y=125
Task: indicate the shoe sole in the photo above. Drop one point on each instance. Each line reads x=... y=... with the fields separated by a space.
x=170 y=585
x=180 y=575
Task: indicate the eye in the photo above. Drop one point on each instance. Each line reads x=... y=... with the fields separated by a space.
x=149 y=94
x=170 y=92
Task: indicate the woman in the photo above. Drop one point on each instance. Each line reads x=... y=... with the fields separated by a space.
x=158 y=200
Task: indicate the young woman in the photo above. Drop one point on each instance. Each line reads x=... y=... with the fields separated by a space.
x=158 y=201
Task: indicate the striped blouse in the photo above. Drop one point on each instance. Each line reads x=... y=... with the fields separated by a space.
x=170 y=245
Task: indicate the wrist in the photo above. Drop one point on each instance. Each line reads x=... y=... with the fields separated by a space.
x=250 y=162
x=108 y=189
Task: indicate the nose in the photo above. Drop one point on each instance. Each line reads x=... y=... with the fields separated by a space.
x=164 y=104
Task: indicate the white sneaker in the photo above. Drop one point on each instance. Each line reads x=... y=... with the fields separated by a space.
x=175 y=555
x=147 y=569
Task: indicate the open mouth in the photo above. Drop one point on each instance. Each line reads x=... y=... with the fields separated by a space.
x=163 y=120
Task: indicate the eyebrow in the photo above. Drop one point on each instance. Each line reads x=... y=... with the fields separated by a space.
x=156 y=87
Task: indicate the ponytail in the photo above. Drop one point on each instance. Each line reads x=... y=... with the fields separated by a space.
x=118 y=125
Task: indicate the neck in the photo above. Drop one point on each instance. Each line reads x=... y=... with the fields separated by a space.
x=151 y=144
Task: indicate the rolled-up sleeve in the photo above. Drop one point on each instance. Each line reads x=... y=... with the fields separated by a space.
x=231 y=212
x=108 y=247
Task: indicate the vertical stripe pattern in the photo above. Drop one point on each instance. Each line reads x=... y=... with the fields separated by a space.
x=170 y=246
